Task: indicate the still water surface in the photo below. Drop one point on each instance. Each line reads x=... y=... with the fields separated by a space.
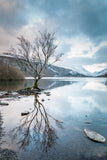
x=53 y=129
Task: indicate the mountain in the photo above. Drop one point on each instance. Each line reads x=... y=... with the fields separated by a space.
x=52 y=71
x=82 y=70
x=63 y=72
x=102 y=73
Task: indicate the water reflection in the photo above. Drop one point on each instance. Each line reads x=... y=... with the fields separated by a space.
x=48 y=83
x=37 y=127
x=95 y=86
x=80 y=105
x=43 y=84
x=105 y=82
x=11 y=85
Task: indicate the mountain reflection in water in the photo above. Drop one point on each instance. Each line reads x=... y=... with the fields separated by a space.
x=43 y=84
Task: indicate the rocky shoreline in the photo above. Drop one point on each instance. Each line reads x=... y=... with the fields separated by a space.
x=6 y=154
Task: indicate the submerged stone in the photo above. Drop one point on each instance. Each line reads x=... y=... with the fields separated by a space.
x=87 y=122
x=2 y=93
x=94 y=136
x=24 y=113
x=3 y=104
x=47 y=93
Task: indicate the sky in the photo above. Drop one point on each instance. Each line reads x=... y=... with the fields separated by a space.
x=80 y=27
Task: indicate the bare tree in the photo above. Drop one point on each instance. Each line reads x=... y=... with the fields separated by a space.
x=36 y=56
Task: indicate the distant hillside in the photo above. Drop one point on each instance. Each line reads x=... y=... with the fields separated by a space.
x=52 y=71
x=102 y=73
x=81 y=70
x=62 y=72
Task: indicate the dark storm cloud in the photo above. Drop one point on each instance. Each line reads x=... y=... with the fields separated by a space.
x=88 y=17
x=101 y=55
x=74 y=17
x=13 y=14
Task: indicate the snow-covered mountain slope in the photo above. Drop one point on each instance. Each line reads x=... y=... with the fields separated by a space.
x=52 y=71
x=63 y=72
x=81 y=70
x=102 y=73
x=55 y=71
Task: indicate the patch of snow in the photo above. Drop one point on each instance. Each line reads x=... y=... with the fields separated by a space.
x=7 y=55
x=52 y=70
x=100 y=73
x=81 y=70
x=29 y=77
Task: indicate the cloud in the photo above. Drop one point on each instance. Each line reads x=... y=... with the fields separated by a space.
x=93 y=60
x=13 y=14
x=72 y=17
x=76 y=17
x=6 y=39
x=101 y=55
x=80 y=48
x=86 y=49
x=81 y=26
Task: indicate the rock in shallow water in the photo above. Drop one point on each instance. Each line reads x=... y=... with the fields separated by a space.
x=24 y=113
x=7 y=154
x=3 y=104
x=94 y=136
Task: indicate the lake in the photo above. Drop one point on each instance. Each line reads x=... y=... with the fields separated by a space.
x=53 y=129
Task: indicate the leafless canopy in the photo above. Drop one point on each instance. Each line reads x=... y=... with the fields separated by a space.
x=36 y=55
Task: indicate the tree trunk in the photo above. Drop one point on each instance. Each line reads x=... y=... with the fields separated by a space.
x=35 y=84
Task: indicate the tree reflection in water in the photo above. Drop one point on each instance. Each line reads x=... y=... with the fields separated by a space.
x=37 y=127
